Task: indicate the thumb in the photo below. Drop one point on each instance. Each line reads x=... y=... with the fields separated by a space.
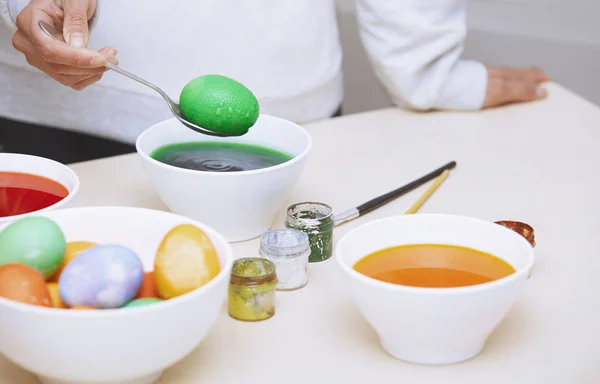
x=75 y=24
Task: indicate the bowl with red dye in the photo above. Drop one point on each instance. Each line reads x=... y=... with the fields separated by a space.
x=33 y=184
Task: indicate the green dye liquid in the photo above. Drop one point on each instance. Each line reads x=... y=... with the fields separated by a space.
x=212 y=156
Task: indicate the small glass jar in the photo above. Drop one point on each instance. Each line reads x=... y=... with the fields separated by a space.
x=316 y=220
x=289 y=250
x=252 y=289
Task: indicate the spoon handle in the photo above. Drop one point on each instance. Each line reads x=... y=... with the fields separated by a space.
x=174 y=107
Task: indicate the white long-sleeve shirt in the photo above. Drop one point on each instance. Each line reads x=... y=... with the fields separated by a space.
x=286 y=51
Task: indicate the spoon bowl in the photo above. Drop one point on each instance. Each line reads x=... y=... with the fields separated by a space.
x=173 y=106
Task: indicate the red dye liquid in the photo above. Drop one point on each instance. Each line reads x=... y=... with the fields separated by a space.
x=24 y=193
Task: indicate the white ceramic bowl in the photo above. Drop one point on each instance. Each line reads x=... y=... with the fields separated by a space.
x=240 y=205
x=130 y=346
x=40 y=166
x=434 y=325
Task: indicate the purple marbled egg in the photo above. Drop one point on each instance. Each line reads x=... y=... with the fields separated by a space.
x=104 y=276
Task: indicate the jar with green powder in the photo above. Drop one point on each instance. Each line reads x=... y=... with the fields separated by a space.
x=252 y=289
x=316 y=220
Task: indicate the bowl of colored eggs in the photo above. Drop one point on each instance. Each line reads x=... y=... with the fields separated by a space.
x=32 y=184
x=234 y=184
x=108 y=294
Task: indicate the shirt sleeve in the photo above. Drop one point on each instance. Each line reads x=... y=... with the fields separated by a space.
x=9 y=9
x=415 y=47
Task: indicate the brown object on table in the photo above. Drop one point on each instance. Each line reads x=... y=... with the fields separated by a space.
x=523 y=229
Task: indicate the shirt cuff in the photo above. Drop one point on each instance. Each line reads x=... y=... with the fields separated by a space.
x=465 y=87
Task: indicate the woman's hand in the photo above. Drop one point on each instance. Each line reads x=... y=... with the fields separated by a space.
x=72 y=63
x=514 y=85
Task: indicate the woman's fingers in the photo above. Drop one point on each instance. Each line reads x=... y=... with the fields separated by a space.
x=111 y=54
x=532 y=74
x=521 y=91
x=72 y=65
x=506 y=86
x=108 y=52
x=75 y=24
x=81 y=85
x=55 y=51
x=22 y=44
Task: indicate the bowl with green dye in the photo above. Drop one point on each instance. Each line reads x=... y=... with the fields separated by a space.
x=234 y=184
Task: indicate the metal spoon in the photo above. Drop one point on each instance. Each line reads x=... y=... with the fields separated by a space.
x=173 y=106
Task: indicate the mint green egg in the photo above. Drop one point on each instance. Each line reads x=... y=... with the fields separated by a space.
x=142 y=302
x=219 y=104
x=35 y=241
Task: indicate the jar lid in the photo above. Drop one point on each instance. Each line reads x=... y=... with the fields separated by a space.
x=252 y=271
x=310 y=215
x=285 y=242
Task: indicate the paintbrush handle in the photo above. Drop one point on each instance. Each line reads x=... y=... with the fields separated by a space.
x=384 y=199
x=377 y=202
x=427 y=194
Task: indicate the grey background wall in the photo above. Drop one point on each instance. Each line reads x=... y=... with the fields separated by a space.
x=560 y=36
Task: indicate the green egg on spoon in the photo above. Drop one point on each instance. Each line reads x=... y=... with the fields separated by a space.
x=212 y=104
x=220 y=104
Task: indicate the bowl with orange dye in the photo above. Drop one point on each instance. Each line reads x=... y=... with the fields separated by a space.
x=433 y=286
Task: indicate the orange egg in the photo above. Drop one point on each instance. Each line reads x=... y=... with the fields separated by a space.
x=22 y=283
x=82 y=307
x=55 y=296
x=72 y=250
x=148 y=288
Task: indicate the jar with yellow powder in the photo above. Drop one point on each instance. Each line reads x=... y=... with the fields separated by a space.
x=252 y=289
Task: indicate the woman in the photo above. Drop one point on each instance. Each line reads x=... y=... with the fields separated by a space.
x=286 y=51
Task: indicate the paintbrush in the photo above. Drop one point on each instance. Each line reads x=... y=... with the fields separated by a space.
x=382 y=200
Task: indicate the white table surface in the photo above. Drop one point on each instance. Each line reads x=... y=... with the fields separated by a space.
x=538 y=163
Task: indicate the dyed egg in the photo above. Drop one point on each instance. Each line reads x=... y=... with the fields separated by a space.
x=72 y=249
x=55 y=296
x=83 y=307
x=148 y=288
x=220 y=104
x=20 y=282
x=142 y=302
x=35 y=241
x=186 y=259
x=104 y=276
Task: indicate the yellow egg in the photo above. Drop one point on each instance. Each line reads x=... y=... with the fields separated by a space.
x=72 y=250
x=186 y=259
x=55 y=296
